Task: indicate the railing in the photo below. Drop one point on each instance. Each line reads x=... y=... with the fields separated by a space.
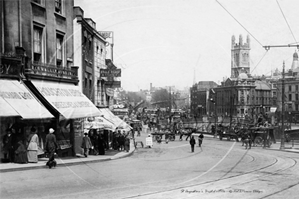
x=39 y=69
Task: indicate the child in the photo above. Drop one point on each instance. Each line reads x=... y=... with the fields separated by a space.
x=21 y=153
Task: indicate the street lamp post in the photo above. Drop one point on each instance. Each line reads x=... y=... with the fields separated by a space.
x=215 y=115
x=282 y=111
x=215 y=119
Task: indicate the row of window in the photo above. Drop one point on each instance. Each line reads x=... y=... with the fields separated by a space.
x=290 y=88
x=58 y=5
x=39 y=46
x=296 y=97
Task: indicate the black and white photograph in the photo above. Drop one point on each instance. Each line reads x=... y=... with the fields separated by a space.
x=149 y=99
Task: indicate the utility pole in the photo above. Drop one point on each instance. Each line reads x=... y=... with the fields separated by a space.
x=283 y=85
x=282 y=111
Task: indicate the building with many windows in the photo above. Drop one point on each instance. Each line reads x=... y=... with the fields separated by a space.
x=38 y=57
x=90 y=54
x=200 y=97
x=291 y=91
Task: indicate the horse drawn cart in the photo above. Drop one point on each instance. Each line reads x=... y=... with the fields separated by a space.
x=164 y=130
x=262 y=136
x=227 y=132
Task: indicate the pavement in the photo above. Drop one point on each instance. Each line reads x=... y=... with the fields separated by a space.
x=113 y=154
x=67 y=161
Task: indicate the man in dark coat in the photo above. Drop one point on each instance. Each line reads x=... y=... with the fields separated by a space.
x=51 y=147
x=8 y=146
x=192 y=143
x=101 y=145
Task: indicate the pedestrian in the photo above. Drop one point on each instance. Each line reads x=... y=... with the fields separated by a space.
x=127 y=144
x=121 y=141
x=32 y=148
x=94 y=140
x=101 y=144
x=189 y=134
x=181 y=134
x=86 y=144
x=192 y=143
x=21 y=153
x=200 y=139
x=51 y=147
x=8 y=146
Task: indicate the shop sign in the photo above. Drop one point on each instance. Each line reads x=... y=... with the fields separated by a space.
x=149 y=141
x=77 y=124
x=110 y=72
x=113 y=84
x=115 y=106
x=109 y=91
x=90 y=119
x=106 y=34
x=10 y=67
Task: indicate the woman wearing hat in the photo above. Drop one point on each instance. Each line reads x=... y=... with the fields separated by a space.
x=32 y=148
x=51 y=147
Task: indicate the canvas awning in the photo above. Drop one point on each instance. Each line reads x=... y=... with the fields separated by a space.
x=17 y=100
x=120 y=124
x=67 y=99
x=98 y=123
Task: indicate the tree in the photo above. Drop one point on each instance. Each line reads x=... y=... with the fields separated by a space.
x=161 y=97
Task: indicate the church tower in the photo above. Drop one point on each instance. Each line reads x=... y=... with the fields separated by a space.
x=240 y=56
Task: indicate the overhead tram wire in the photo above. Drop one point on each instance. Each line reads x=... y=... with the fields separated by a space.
x=237 y=21
x=259 y=61
x=286 y=20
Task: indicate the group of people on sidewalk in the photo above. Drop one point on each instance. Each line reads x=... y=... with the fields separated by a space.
x=94 y=144
x=19 y=150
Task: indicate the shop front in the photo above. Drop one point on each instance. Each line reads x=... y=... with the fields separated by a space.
x=70 y=108
x=19 y=111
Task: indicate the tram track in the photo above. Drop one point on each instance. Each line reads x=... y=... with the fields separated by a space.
x=171 y=188
x=191 y=186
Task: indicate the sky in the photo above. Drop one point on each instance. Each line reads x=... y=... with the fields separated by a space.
x=179 y=42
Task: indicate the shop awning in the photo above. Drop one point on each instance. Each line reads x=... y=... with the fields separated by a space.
x=6 y=110
x=17 y=100
x=98 y=123
x=120 y=124
x=67 y=99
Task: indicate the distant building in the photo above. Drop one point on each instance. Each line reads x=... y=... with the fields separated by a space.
x=240 y=57
x=241 y=95
x=199 y=96
x=84 y=51
x=291 y=91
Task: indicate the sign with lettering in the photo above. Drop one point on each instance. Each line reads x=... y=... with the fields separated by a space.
x=98 y=123
x=10 y=67
x=113 y=84
x=110 y=72
x=109 y=91
x=16 y=100
x=106 y=34
x=67 y=99
x=149 y=142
